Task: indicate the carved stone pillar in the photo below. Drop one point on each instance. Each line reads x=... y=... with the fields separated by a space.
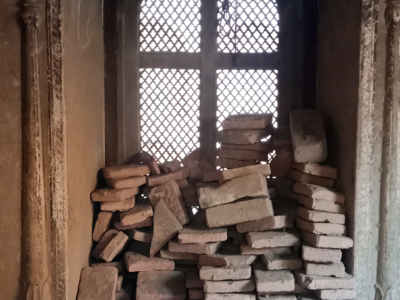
x=388 y=276
x=34 y=244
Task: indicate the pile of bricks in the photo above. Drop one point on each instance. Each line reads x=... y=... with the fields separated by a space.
x=185 y=230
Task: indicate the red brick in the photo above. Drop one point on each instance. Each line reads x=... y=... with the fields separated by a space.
x=105 y=240
x=139 y=263
x=273 y=281
x=147 y=159
x=265 y=147
x=156 y=180
x=139 y=213
x=247 y=121
x=161 y=285
x=145 y=223
x=110 y=195
x=240 y=172
x=316 y=180
x=103 y=223
x=97 y=283
x=114 y=247
x=244 y=136
x=118 y=206
x=126 y=183
x=208 y=248
x=267 y=223
x=233 y=163
x=321 y=228
x=125 y=171
x=323 y=241
x=272 y=239
x=170 y=166
x=318 y=192
x=194 y=234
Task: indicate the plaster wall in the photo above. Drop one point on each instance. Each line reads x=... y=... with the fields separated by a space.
x=84 y=95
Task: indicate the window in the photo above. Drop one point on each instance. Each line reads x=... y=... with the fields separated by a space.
x=200 y=61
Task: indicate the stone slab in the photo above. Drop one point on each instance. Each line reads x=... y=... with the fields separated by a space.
x=114 y=247
x=242 y=154
x=170 y=166
x=178 y=255
x=97 y=283
x=229 y=296
x=225 y=273
x=267 y=223
x=311 y=179
x=233 y=163
x=312 y=282
x=195 y=294
x=110 y=195
x=223 y=260
x=156 y=180
x=247 y=250
x=208 y=248
x=244 y=136
x=144 y=235
x=166 y=226
x=253 y=185
x=139 y=213
x=321 y=228
x=318 y=192
x=321 y=205
x=125 y=171
x=229 y=286
x=118 y=206
x=145 y=223
x=265 y=147
x=239 y=212
x=171 y=194
x=226 y=175
x=139 y=263
x=193 y=234
x=105 y=240
x=126 y=183
x=320 y=255
x=282 y=162
x=273 y=281
x=323 y=241
x=320 y=216
x=335 y=269
x=336 y=294
x=247 y=121
x=274 y=261
x=103 y=223
x=272 y=239
x=161 y=285
x=316 y=169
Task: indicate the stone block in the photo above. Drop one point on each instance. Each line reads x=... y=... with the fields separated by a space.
x=316 y=169
x=312 y=282
x=156 y=180
x=247 y=121
x=125 y=171
x=242 y=154
x=208 y=248
x=321 y=228
x=103 y=223
x=166 y=226
x=319 y=255
x=243 y=136
x=240 y=172
x=198 y=164
x=336 y=294
x=145 y=223
x=223 y=260
x=247 y=250
x=161 y=285
x=321 y=205
x=193 y=280
x=225 y=273
x=267 y=223
x=171 y=194
x=211 y=176
x=126 y=183
x=118 y=206
x=274 y=261
x=335 y=269
x=265 y=147
x=273 y=281
x=97 y=283
x=178 y=255
x=105 y=240
x=229 y=286
x=147 y=159
x=281 y=164
x=238 y=212
x=318 y=192
x=281 y=137
x=139 y=263
x=139 y=213
x=170 y=166
x=195 y=294
x=191 y=201
x=272 y=239
x=311 y=179
x=253 y=185
x=110 y=195
x=114 y=247
x=229 y=296
x=233 y=163
x=144 y=235
x=194 y=234
x=308 y=136
x=323 y=241
x=320 y=216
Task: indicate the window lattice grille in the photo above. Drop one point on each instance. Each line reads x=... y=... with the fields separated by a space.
x=248 y=26
x=170 y=25
x=246 y=92
x=169 y=112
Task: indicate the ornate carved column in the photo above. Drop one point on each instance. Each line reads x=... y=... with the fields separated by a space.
x=34 y=250
x=388 y=276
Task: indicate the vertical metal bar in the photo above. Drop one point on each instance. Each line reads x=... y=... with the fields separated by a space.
x=208 y=79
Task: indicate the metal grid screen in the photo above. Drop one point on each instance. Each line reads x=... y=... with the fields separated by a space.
x=246 y=92
x=169 y=109
x=248 y=26
x=170 y=25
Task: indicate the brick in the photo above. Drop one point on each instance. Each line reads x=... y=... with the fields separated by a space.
x=281 y=137
x=318 y=192
x=125 y=171
x=191 y=201
x=182 y=183
x=139 y=263
x=105 y=240
x=265 y=147
x=161 y=285
x=272 y=239
x=170 y=166
x=323 y=241
x=208 y=248
x=240 y=172
x=229 y=286
x=193 y=234
x=211 y=176
x=247 y=121
x=145 y=223
x=321 y=205
x=171 y=194
x=244 y=136
x=147 y=159
x=316 y=169
x=119 y=283
x=118 y=206
x=335 y=269
x=242 y=154
x=274 y=261
x=97 y=283
x=178 y=255
x=308 y=136
x=225 y=273
x=114 y=247
x=281 y=164
x=247 y=250
x=126 y=183
x=321 y=255
x=110 y=195
x=320 y=217
x=224 y=260
x=193 y=280
x=273 y=281
x=241 y=296
x=278 y=297
x=189 y=191
x=321 y=228
x=156 y=180
x=311 y=179
x=233 y=163
x=238 y=212
x=144 y=235
x=336 y=294
x=166 y=226
x=103 y=223
x=196 y=294
x=253 y=185
x=312 y=282
x=198 y=164
x=139 y=213
x=116 y=264
x=267 y=223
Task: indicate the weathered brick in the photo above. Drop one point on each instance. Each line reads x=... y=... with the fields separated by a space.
x=193 y=234
x=105 y=240
x=335 y=269
x=97 y=283
x=281 y=164
x=125 y=171
x=247 y=250
x=323 y=241
x=208 y=248
x=225 y=273
x=116 y=264
x=103 y=223
x=247 y=121
x=118 y=206
x=144 y=234
x=170 y=166
x=229 y=286
x=110 y=195
x=316 y=169
x=265 y=147
x=273 y=281
x=311 y=179
x=243 y=136
x=321 y=255
x=321 y=228
x=223 y=260
x=312 y=282
x=238 y=212
x=318 y=192
x=147 y=159
x=336 y=294
x=320 y=217
x=114 y=247
x=274 y=261
x=139 y=213
x=145 y=223
x=178 y=255
x=321 y=205
x=233 y=163
x=139 y=263
x=198 y=164
x=242 y=154
x=240 y=172
x=161 y=285
x=156 y=180
x=272 y=239
x=229 y=296
x=126 y=183
x=267 y=223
